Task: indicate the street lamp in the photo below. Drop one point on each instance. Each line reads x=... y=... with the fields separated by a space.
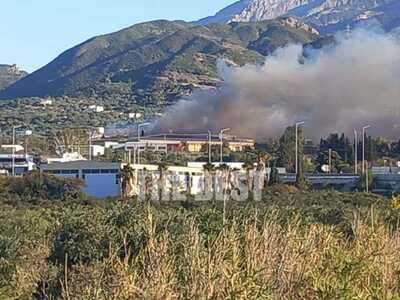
x=363 y=147
x=13 y=149
x=140 y=126
x=298 y=124
x=90 y=144
x=221 y=136
x=91 y=131
x=209 y=147
x=27 y=133
x=138 y=134
x=355 y=151
x=364 y=167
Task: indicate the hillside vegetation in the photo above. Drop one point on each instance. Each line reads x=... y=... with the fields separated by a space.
x=292 y=245
x=156 y=62
x=9 y=74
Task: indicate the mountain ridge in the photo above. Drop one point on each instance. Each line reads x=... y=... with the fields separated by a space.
x=327 y=16
x=158 y=61
x=10 y=74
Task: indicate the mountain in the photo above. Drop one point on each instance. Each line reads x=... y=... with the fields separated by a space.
x=159 y=61
x=10 y=74
x=327 y=16
x=227 y=14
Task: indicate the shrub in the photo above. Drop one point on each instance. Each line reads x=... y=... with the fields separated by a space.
x=35 y=187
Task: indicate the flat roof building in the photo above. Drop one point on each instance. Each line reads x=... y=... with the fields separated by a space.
x=22 y=163
x=102 y=179
x=192 y=143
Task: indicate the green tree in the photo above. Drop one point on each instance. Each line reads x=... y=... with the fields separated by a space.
x=323 y=159
x=274 y=176
x=272 y=147
x=287 y=145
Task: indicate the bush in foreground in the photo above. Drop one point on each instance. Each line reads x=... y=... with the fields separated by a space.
x=295 y=245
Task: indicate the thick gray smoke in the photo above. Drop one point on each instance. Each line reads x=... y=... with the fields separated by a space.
x=354 y=83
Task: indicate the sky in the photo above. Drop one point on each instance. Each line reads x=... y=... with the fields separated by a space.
x=34 y=32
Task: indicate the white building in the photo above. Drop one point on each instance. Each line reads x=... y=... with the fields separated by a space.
x=101 y=130
x=135 y=115
x=99 y=109
x=17 y=148
x=67 y=157
x=46 y=102
x=96 y=108
x=144 y=146
x=232 y=165
x=97 y=150
x=22 y=163
x=109 y=145
x=102 y=179
x=187 y=176
x=194 y=143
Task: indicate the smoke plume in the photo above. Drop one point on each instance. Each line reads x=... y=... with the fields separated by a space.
x=345 y=86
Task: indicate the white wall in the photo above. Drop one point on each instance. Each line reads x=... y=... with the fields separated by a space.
x=98 y=150
x=67 y=176
x=102 y=185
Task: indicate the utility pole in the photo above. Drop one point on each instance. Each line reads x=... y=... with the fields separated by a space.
x=221 y=136
x=330 y=161
x=297 y=146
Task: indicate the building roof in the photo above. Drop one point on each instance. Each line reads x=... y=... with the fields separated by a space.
x=16 y=156
x=200 y=137
x=81 y=164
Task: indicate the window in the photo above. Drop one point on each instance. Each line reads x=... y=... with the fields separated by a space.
x=100 y=171
x=69 y=172
x=109 y=171
x=91 y=171
x=53 y=171
x=16 y=160
x=117 y=178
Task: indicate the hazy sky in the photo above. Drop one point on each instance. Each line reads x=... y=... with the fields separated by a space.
x=33 y=32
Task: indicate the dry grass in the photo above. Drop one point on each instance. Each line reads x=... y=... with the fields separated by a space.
x=248 y=260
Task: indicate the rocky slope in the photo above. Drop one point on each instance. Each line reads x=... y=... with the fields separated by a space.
x=158 y=62
x=327 y=16
x=10 y=74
